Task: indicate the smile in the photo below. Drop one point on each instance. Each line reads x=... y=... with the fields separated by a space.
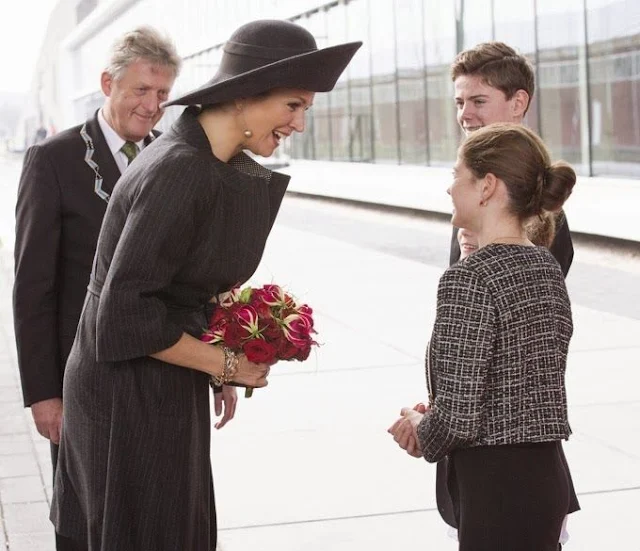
x=279 y=136
x=144 y=117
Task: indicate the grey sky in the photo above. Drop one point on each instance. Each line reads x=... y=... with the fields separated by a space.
x=22 y=28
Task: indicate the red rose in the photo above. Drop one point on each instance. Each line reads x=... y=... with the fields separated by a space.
x=231 y=310
x=258 y=295
x=271 y=330
x=219 y=315
x=263 y=309
x=286 y=350
x=303 y=353
x=259 y=351
x=233 y=335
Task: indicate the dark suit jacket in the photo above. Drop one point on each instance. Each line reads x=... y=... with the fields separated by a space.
x=64 y=188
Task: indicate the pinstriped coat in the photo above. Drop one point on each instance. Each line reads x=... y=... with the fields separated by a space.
x=134 y=471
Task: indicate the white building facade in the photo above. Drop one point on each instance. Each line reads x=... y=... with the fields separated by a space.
x=394 y=104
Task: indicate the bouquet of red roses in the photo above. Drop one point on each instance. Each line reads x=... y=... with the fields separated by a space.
x=266 y=324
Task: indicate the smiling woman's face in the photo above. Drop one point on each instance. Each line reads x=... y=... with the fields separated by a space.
x=273 y=117
x=465 y=196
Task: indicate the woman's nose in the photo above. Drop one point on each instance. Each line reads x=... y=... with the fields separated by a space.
x=298 y=121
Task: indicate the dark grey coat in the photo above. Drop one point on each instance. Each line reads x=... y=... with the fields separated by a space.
x=134 y=472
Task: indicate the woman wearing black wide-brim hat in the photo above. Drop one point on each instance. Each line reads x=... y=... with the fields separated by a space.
x=188 y=220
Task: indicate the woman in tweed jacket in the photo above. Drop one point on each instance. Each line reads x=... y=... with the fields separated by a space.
x=497 y=355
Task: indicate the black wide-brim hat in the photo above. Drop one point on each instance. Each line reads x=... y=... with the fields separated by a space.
x=267 y=54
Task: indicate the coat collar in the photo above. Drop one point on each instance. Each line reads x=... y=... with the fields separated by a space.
x=98 y=156
x=192 y=132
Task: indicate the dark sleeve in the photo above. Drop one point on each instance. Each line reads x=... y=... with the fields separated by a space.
x=35 y=290
x=461 y=351
x=161 y=225
x=562 y=246
x=454 y=254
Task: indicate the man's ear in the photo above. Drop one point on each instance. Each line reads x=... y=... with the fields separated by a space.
x=106 y=81
x=519 y=103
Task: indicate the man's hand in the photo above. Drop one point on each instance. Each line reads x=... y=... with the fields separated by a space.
x=47 y=415
x=229 y=397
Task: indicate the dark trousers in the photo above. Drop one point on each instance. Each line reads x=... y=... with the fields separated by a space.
x=63 y=543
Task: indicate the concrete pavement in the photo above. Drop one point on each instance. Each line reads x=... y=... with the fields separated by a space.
x=330 y=477
x=599 y=206
x=25 y=467
x=307 y=463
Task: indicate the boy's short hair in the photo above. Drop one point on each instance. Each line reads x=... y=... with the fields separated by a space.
x=499 y=65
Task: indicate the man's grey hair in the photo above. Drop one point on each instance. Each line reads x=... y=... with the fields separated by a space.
x=144 y=43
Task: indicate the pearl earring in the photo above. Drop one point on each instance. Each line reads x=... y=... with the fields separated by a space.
x=248 y=133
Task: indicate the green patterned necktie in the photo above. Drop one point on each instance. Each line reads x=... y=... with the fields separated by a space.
x=130 y=150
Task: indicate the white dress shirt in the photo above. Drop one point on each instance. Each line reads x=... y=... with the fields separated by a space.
x=115 y=142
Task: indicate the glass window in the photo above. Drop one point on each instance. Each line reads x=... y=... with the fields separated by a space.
x=440 y=41
x=475 y=19
x=317 y=138
x=516 y=27
x=411 y=82
x=614 y=78
x=383 y=67
x=360 y=91
x=562 y=84
x=339 y=96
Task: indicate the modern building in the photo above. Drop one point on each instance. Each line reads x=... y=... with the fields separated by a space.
x=394 y=104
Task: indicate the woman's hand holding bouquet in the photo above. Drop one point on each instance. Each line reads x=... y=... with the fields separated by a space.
x=257 y=327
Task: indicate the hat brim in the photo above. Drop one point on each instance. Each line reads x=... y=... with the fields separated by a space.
x=316 y=71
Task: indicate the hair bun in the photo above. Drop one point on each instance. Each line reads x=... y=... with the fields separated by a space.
x=559 y=179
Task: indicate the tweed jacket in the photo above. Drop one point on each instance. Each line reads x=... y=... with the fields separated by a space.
x=65 y=184
x=498 y=351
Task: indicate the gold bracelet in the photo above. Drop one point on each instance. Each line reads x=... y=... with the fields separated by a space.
x=229 y=368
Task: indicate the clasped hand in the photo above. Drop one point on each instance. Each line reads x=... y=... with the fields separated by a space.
x=404 y=430
x=251 y=374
